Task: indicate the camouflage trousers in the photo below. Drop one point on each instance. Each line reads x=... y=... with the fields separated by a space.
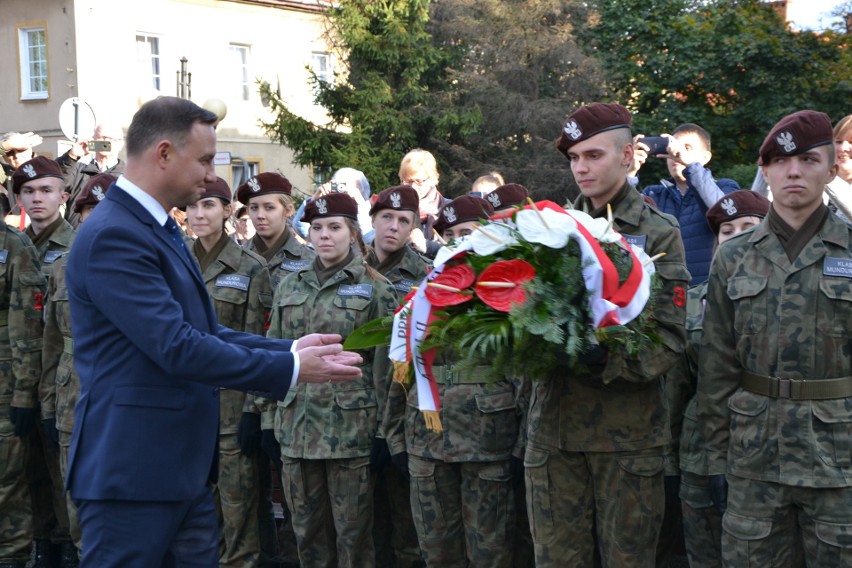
x=770 y=524
x=464 y=513
x=16 y=527
x=237 y=498
x=702 y=522
x=576 y=499
x=73 y=520
x=47 y=489
x=394 y=535
x=331 y=502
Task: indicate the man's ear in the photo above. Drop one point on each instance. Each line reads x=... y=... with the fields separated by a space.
x=627 y=155
x=706 y=155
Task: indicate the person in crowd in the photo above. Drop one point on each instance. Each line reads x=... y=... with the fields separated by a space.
x=327 y=432
x=87 y=158
x=152 y=356
x=597 y=432
x=59 y=387
x=483 y=185
x=15 y=149
x=419 y=169
x=38 y=186
x=838 y=192
x=507 y=197
x=244 y=227
x=688 y=193
x=462 y=474
x=351 y=182
x=701 y=520
x=394 y=215
x=775 y=366
x=239 y=284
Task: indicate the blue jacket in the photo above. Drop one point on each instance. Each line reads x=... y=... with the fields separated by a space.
x=690 y=209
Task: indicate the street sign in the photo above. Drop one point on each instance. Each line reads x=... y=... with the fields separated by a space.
x=76 y=119
x=222 y=159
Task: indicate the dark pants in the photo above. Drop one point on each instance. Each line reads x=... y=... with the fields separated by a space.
x=143 y=534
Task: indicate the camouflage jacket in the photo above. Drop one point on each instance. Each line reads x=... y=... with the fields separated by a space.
x=56 y=246
x=290 y=258
x=22 y=287
x=410 y=271
x=59 y=387
x=772 y=317
x=240 y=288
x=620 y=406
x=681 y=383
x=332 y=420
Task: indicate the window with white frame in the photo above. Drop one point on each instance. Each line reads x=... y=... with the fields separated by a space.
x=321 y=66
x=148 y=61
x=32 y=50
x=239 y=55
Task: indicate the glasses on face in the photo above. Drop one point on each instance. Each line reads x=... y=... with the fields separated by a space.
x=416 y=181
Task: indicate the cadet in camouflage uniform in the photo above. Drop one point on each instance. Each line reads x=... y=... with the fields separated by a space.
x=59 y=387
x=462 y=490
x=40 y=189
x=267 y=197
x=239 y=285
x=394 y=215
x=597 y=433
x=21 y=290
x=327 y=431
x=702 y=520
x=775 y=368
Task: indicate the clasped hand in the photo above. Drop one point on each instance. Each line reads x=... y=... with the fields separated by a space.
x=322 y=359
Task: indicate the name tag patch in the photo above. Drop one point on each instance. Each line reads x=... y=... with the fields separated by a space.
x=294 y=265
x=236 y=281
x=4 y=255
x=403 y=286
x=363 y=290
x=53 y=255
x=837 y=267
x=636 y=240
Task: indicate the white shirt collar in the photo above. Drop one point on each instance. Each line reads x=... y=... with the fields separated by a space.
x=150 y=204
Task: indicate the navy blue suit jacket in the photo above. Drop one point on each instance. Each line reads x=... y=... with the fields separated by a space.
x=151 y=356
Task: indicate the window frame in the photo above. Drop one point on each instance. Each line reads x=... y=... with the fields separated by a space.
x=243 y=93
x=152 y=80
x=25 y=77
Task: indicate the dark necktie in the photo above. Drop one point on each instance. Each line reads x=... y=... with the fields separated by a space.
x=177 y=236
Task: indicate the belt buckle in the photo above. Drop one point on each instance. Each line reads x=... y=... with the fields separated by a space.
x=783 y=387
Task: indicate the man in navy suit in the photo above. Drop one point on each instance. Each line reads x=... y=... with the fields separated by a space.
x=152 y=356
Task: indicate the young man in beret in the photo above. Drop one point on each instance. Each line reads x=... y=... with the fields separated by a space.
x=39 y=187
x=775 y=368
x=597 y=432
x=507 y=197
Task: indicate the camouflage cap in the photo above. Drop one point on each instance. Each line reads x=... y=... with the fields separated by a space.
x=331 y=205
x=508 y=195
x=218 y=188
x=740 y=203
x=94 y=191
x=263 y=184
x=590 y=120
x=796 y=134
x=399 y=197
x=462 y=209
x=38 y=167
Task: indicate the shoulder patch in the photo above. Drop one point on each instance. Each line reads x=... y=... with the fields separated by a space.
x=53 y=255
x=236 y=281
x=404 y=285
x=362 y=290
x=294 y=265
x=636 y=240
x=837 y=267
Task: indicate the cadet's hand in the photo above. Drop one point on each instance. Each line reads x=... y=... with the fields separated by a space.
x=417 y=239
x=328 y=363
x=379 y=454
x=24 y=420
x=517 y=469
x=271 y=447
x=248 y=434
x=50 y=431
x=719 y=491
x=640 y=154
x=400 y=462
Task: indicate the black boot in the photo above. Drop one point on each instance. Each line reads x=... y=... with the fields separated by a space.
x=43 y=554
x=68 y=555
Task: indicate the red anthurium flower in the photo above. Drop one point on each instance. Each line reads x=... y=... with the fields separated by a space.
x=448 y=289
x=501 y=284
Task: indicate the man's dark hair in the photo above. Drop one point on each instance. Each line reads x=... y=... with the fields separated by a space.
x=170 y=118
x=692 y=128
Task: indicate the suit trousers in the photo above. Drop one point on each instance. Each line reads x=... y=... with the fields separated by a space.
x=145 y=534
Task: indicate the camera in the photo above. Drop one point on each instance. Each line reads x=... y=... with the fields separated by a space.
x=338 y=187
x=656 y=144
x=99 y=146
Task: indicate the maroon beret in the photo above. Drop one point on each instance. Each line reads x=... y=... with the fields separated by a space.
x=399 y=197
x=218 y=188
x=94 y=191
x=462 y=209
x=331 y=205
x=796 y=134
x=740 y=203
x=263 y=184
x=36 y=168
x=508 y=195
x=589 y=120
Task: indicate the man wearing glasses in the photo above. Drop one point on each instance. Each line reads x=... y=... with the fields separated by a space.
x=15 y=149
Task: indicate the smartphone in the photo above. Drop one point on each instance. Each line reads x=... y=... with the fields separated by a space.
x=338 y=187
x=99 y=146
x=656 y=144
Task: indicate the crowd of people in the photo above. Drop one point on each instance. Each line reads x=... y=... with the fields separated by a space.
x=170 y=354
